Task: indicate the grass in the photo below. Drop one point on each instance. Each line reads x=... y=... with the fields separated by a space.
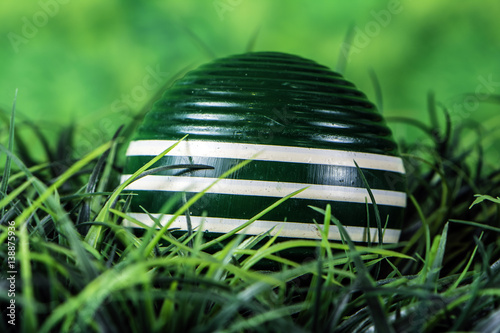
x=79 y=270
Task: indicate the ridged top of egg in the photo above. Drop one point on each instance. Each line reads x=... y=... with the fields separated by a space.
x=271 y=98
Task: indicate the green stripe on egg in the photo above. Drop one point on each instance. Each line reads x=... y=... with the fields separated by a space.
x=301 y=124
x=266 y=171
x=292 y=208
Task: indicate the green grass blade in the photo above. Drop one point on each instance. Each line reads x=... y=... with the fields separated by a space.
x=87 y=301
x=61 y=180
x=94 y=234
x=480 y=198
x=374 y=303
x=15 y=193
x=437 y=256
x=477 y=225
x=374 y=203
x=465 y=270
x=378 y=91
x=8 y=161
x=345 y=49
x=30 y=321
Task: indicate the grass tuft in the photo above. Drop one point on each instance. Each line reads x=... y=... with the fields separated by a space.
x=82 y=269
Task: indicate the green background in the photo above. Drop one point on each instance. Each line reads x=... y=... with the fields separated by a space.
x=76 y=61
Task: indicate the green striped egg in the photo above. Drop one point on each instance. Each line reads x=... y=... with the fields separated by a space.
x=301 y=123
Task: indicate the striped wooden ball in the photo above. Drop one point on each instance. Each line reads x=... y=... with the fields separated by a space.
x=301 y=123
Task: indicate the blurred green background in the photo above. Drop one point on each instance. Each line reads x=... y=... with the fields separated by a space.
x=88 y=61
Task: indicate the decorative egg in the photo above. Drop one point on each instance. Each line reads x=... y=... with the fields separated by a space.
x=303 y=126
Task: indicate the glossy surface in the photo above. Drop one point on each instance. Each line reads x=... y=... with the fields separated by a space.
x=270 y=98
x=307 y=125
